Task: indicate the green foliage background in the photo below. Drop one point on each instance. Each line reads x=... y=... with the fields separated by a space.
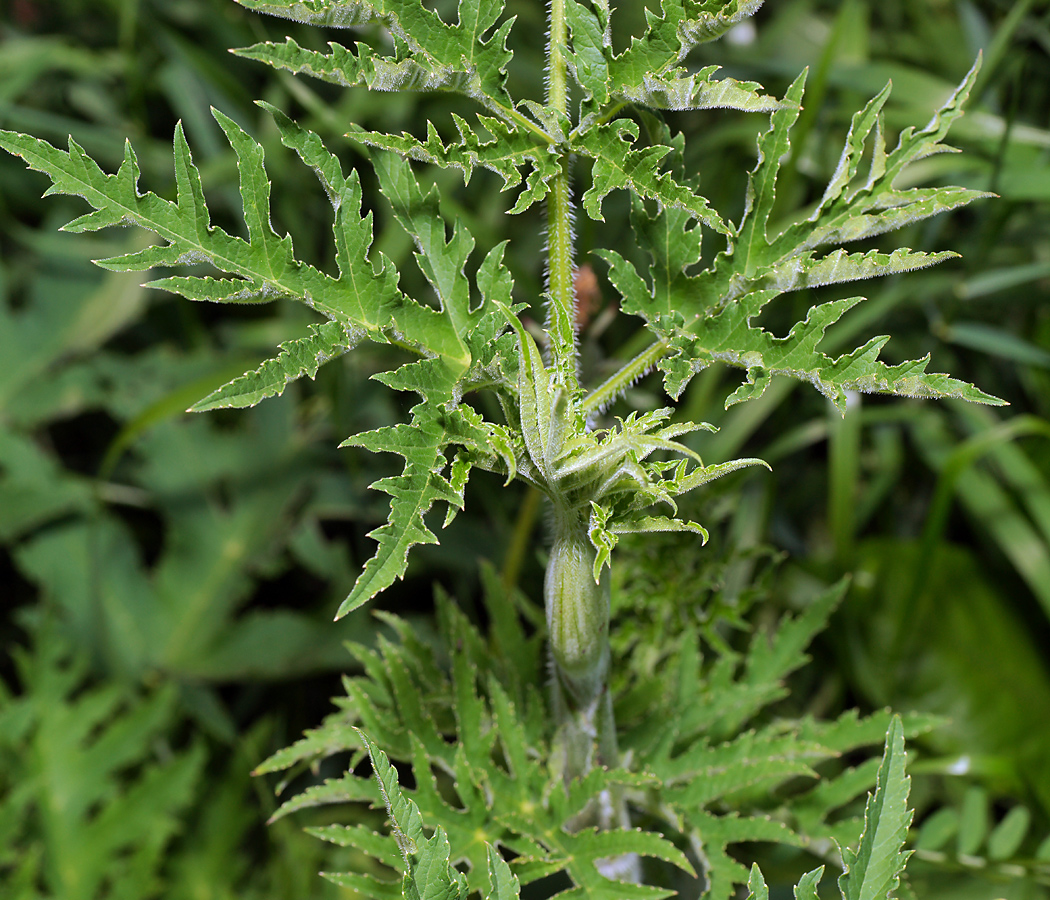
x=170 y=579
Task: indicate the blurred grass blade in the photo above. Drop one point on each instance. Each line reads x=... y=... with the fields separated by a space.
x=997 y=342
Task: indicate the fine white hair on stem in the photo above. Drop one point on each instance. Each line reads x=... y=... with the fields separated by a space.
x=604 y=406
x=547 y=254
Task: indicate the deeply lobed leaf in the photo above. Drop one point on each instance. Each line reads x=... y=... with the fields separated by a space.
x=429 y=53
x=509 y=149
x=85 y=799
x=708 y=317
x=649 y=73
x=703 y=762
x=458 y=340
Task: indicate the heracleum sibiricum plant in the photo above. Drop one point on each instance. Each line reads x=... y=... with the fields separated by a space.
x=553 y=784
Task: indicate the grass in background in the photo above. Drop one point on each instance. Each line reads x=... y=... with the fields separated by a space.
x=166 y=604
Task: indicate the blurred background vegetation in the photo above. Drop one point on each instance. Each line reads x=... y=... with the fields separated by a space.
x=169 y=580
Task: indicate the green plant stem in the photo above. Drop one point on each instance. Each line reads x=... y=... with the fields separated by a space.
x=623 y=378
x=560 y=316
x=557 y=71
x=577 y=608
x=560 y=287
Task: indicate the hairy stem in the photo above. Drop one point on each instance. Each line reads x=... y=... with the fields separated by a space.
x=577 y=607
x=560 y=318
x=623 y=378
x=557 y=70
x=560 y=324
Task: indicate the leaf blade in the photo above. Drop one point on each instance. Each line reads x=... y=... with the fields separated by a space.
x=873 y=870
